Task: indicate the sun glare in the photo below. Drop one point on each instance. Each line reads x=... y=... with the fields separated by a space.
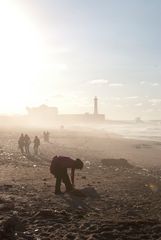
x=21 y=56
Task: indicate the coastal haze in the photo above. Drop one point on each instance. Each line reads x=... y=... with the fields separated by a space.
x=63 y=53
x=87 y=74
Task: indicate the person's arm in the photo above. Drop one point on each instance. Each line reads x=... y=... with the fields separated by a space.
x=72 y=175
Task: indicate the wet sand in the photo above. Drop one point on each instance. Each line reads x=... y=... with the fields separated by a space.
x=117 y=202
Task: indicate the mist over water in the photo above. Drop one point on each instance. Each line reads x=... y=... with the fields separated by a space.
x=136 y=131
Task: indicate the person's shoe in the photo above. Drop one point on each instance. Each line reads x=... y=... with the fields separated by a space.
x=69 y=190
x=58 y=192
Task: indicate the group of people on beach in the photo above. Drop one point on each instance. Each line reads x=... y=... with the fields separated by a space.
x=59 y=164
x=24 y=142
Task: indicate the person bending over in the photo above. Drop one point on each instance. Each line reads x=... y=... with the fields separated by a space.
x=58 y=168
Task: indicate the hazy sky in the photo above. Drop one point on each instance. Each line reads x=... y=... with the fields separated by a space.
x=65 y=52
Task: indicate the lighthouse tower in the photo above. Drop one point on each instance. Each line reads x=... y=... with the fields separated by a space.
x=95 y=106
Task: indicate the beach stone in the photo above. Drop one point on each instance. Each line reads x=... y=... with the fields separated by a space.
x=45 y=213
x=70 y=236
x=7 y=206
x=85 y=225
x=93 y=237
x=83 y=177
x=121 y=162
x=157 y=229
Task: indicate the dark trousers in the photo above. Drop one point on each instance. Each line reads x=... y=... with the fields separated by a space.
x=62 y=176
x=27 y=149
x=36 y=150
x=21 y=149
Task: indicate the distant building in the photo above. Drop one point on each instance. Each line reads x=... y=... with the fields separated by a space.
x=42 y=115
x=83 y=118
x=138 y=120
x=42 y=111
x=45 y=114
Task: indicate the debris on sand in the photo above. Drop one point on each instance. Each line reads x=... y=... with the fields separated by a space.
x=10 y=227
x=5 y=187
x=87 y=164
x=83 y=177
x=78 y=193
x=121 y=162
x=139 y=146
x=6 y=205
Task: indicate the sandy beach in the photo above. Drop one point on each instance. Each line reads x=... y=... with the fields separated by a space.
x=117 y=202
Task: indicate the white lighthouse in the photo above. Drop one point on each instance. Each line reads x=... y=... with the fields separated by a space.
x=95 y=106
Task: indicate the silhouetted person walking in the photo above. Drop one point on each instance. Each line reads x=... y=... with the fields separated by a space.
x=21 y=143
x=58 y=168
x=36 y=145
x=46 y=136
x=27 y=144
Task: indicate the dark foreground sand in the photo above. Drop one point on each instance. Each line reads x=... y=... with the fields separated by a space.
x=119 y=202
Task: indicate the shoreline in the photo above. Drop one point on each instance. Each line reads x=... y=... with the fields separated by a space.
x=91 y=146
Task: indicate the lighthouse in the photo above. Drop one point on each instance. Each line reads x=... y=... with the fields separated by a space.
x=95 y=106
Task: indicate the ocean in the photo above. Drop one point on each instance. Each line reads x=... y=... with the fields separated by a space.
x=142 y=131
